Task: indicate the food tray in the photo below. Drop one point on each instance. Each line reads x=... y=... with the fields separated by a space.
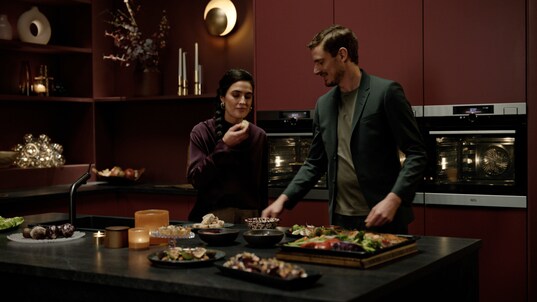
x=359 y=259
x=290 y=284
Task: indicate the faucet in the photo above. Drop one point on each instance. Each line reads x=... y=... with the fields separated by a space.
x=72 y=205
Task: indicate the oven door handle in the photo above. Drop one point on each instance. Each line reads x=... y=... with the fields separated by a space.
x=471 y=132
x=289 y=134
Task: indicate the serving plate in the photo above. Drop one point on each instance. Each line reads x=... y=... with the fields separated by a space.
x=290 y=284
x=191 y=226
x=156 y=234
x=18 y=237
x=285 y=247
x=185 y=263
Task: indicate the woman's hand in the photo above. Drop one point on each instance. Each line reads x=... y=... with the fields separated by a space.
x=236 y=134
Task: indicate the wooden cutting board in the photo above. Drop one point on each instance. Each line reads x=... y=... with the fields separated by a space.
x=349 y=261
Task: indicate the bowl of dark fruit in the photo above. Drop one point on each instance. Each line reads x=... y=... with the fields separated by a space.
x=263 y=238
x=218 y=237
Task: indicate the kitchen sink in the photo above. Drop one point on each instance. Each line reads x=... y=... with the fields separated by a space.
x=95 y=222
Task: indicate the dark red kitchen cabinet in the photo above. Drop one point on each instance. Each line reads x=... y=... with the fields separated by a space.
x=502 y=258
x=283 y=66
x=474 y=51
x=390 y=39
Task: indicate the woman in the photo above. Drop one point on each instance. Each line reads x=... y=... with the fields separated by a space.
x=228 y=156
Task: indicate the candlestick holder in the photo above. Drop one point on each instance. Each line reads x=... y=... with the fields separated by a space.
x=185 y=87
x=180 y=86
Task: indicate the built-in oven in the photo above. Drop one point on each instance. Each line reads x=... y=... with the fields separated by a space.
x=289 y=134
x=477 y=154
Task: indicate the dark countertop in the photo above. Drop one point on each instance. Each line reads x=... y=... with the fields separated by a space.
x=79 y=270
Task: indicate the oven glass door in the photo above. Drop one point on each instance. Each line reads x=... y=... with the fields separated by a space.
x=287 y=154
x=479 y=162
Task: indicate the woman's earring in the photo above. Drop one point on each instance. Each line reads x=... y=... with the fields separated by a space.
x=251 y=108
x=222 y=105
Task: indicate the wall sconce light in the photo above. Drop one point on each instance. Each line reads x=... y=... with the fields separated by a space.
x=220 y=17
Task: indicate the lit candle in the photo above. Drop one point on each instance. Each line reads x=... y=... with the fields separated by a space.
x=40 y=88
x=98 y=238
x=138 y=238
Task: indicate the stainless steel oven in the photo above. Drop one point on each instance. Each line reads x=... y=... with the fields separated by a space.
x=289 y=134
x=477 y=154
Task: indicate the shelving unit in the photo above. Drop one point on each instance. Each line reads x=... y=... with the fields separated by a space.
x=96 y=120
x=66 y=117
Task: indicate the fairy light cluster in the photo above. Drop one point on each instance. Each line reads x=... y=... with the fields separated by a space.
x=39 y=152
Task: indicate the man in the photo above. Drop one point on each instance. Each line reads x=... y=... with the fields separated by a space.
x=359 y=127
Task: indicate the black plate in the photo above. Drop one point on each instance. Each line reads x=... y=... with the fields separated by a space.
x=296 y=283
x=351 y=254
x=186 y=263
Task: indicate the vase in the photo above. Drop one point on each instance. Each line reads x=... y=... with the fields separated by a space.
x=6 y=32
x=147 y=83
x=33 y=17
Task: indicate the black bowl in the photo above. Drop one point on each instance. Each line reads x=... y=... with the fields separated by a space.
x=216 y=237
x=263 y=238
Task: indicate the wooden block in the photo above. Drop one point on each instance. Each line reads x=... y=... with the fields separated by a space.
x=349 y=261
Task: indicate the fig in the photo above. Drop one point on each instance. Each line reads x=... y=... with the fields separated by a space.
x=38 y=232
x=67 y=230
x=26 y=233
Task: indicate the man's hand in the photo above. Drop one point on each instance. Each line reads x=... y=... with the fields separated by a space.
x=276 y=208
x=384 y=211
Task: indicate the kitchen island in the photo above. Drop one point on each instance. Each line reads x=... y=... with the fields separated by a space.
x=444 y=269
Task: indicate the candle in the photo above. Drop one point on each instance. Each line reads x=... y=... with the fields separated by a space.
x=138 y=238
x=184 y=66
x=196 y=79
x=152 y=220
x=40 y=88
x=180 y=70
x=199 y=74
x=98 y=238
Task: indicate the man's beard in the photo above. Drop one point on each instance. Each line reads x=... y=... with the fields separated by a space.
x=337 y=79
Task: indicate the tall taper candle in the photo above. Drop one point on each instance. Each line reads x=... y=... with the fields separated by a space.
x=196 y=62
x=180 y=70
x=179 y=73
x=184 y=66
x=185 y=81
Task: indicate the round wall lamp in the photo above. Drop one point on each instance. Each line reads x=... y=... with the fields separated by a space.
x=220 y=17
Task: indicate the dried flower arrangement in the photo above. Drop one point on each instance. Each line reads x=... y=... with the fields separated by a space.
x=142 y=53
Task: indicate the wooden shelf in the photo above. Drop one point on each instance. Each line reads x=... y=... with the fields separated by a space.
x=24 y=98
x=18 y=46
x=172 y=98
